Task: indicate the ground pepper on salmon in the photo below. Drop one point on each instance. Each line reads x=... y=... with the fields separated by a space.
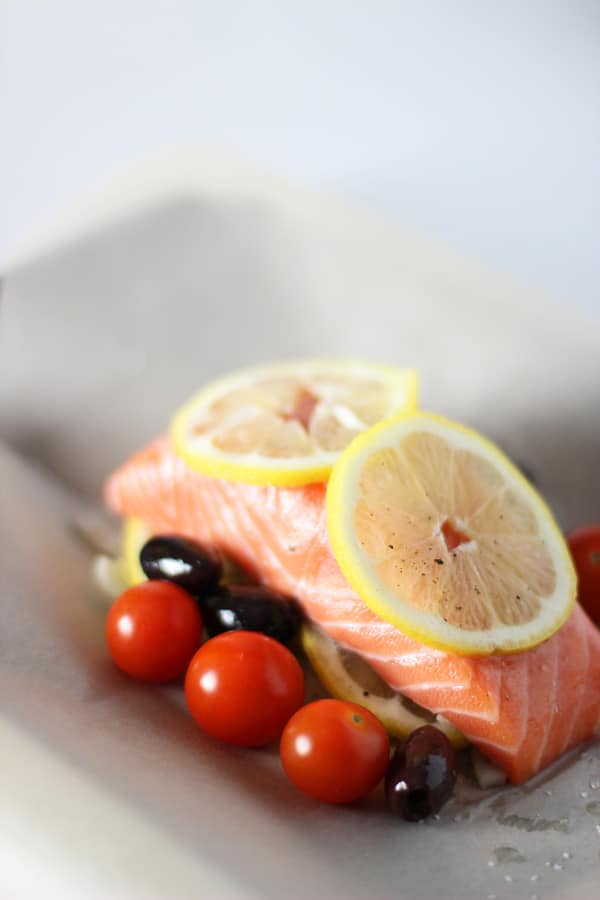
x=522 y=710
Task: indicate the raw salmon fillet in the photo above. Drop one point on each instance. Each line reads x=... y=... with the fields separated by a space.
x=522 y=711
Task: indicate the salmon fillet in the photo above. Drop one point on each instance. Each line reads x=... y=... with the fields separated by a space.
x=522 y=711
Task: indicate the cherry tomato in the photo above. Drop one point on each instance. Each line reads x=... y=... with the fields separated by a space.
x=584 y=543
x=153 y=630
x=334 y=751
x=242 y=687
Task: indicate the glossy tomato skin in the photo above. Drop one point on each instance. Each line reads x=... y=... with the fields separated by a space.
x=334 y=751
x=152 y=630
x=584 y=544
x=242 y=687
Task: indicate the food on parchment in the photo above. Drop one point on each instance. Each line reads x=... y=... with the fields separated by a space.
x=522 y=710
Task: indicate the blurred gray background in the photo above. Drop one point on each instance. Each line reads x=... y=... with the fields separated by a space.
x=478 y=122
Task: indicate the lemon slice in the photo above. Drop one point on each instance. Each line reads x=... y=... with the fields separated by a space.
x=347 y=676
x=286 y=424
x=442 y=536
x=135 y=535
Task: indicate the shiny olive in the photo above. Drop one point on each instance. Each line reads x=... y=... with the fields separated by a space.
x=250 y=607
x=181 y=561
x=421 y=774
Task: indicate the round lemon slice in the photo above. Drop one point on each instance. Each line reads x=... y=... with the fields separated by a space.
x=345 y=675
x=286 y=424
x=442 y=536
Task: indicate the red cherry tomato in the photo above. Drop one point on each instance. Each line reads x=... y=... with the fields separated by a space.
x=153 y=630
x=584 y=543
x=242 y=687
x=334 y=751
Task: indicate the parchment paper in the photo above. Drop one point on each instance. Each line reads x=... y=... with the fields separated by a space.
x=108 y=789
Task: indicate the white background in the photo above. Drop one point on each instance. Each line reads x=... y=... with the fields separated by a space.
x=477 y=121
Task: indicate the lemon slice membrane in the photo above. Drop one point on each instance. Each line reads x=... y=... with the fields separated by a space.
x=442 y=536
x=285 y=424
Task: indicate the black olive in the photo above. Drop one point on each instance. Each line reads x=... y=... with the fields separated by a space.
x=182 y=561
x=250 y=607
x=421 y=774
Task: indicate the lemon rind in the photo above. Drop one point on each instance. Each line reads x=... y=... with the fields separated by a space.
x=135 y=534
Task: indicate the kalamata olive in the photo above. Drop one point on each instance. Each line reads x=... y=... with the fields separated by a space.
x=182 y=561
x=421 y=774
x=250 y=607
